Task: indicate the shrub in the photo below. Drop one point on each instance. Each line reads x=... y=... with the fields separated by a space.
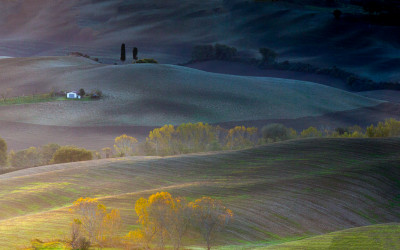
x=71 y=154
x=26 y=158
x=224 y=52
x=268 y=56
x=203 y=53
x=311 y=132
x=96 y=94
x=47 y=152
x=82 y=92
x=82 y=243
x=341 y=131
x=337 y=13
x=3 y=152
x=146 y=60
x=276 y=132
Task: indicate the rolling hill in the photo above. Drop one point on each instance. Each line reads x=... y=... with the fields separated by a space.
x=278 y=192
x=298 y=31
x=141 y=96
x=154 y=95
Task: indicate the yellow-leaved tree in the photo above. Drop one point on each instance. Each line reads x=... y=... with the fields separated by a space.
x=241 y=137
x=124 y=145
x=210 y=216
x=98 y=225
x=163 y=218
x=195 y=137
x=311 y=132
x=162 y=139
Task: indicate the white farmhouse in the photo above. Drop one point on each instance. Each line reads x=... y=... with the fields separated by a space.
x=73 y=95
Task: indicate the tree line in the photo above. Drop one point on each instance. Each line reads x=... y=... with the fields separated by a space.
x=163 y=222
x=186 y=138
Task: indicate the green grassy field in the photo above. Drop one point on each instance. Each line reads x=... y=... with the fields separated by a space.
x=30 y=99
x=279 y=192
x=382 y=236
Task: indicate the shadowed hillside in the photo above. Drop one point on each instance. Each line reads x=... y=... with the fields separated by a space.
x=168 y=31
x=294 y=189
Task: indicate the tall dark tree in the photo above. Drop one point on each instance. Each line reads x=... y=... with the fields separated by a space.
x=123 y=53
x=82 y=92
x=135 y=53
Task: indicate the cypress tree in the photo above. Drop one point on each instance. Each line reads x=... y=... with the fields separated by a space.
x=134 y=53
x=123 y=53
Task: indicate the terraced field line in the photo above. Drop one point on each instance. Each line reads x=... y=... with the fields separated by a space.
x=29 y=172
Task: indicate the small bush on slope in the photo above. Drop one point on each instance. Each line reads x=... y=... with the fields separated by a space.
x=71 y=154
x=146 y=60
x=277 y=132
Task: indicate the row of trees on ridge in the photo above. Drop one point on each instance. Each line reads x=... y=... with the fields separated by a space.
x=186 y=138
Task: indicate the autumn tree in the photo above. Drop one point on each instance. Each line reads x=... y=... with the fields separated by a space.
x=162 y=139
x=163 y=218
x=77 y=240
x=137 y=239
x=154 y=215
x=180 y=219
x=100 y=227
x=196 y=137
x=107 y=152
x=124 y=145
x=91 y=214
x=311 y=132
x=210 y=217
x=110 y=228
x=241 y=137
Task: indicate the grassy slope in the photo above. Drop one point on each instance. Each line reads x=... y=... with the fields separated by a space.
x=159 y=94
x=382 y=236
x=277 y=191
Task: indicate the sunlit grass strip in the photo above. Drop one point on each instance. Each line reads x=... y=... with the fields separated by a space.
x=29 y=99
x=48 y=97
